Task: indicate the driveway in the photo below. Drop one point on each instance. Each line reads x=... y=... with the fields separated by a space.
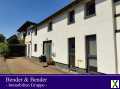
x=22 y=65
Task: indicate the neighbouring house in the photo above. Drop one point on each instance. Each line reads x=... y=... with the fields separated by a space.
x=20 y=37
x=22 y=31
x=84 y=35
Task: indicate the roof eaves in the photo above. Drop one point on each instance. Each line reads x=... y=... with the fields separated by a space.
x=25 y=25
x=59 y=11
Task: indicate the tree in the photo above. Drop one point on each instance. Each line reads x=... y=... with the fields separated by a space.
x=4 y=49
x=2 y=38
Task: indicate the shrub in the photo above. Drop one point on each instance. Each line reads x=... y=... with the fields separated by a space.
x=4 y=50
x=2 y=38
x=13 y=40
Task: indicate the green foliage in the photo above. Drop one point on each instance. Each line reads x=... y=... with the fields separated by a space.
x=2 y=38
x=13 y=40
x=4 y=49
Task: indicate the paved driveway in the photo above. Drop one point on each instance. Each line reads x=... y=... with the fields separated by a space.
x=25 y=66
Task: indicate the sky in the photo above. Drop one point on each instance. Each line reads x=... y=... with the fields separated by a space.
x=14 y=13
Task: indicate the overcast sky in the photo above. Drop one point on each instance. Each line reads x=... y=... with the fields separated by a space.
x=13 y=13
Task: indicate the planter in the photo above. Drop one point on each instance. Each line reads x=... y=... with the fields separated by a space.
x=50 y=62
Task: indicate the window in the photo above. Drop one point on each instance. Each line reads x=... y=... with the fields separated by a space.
x=116 y=0
x=90 y=9
x=24 y=35
x=28 y=32
x=36 y=31
x=50 y=26
x=35 y=47
x=71 y=17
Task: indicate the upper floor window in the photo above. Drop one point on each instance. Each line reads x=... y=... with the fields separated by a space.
x=35 y=47
x=28 y=32
x=116 y=0
x=36 y=31
x=71 y=17
x=24 y=35
x=90 y=9
x=50 y=26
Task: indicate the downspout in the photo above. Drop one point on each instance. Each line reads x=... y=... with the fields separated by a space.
x=114 y=35
x=31 y=44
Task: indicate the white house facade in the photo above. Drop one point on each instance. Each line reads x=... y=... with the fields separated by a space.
x=83 y=35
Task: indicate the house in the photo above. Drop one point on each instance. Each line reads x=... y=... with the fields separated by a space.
x=22 y=31
x=21 y=35
x=84 y=35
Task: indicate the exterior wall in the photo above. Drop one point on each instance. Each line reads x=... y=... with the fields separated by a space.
x=28 y=41
x=118 y=23
x=101 y=25
x=28 y=38
x=117 y=9
x=118 y=50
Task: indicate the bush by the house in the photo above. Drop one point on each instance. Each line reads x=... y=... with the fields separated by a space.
x=4 y=50
x=2 y=38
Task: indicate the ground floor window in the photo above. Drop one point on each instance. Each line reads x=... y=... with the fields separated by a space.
x=35 y=47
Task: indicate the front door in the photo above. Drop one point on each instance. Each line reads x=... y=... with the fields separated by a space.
x=91 y=53
x=47 y=49
x=71 y=52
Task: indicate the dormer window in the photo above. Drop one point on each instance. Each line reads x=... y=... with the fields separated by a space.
x=50 y=27
x=28 y=32
x=71 y=17
x=90 y=9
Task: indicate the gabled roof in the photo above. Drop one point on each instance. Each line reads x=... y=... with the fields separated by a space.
x=24 y=27
x=73 y=3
